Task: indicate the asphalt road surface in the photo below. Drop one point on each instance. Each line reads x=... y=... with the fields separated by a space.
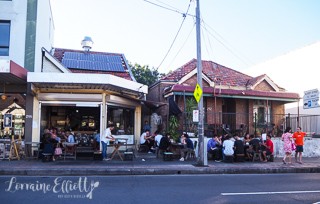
x=209 y=189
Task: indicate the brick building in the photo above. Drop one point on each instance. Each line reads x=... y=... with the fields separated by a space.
x=233 y=101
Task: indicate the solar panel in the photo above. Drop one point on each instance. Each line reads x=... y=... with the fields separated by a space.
x=92 y=61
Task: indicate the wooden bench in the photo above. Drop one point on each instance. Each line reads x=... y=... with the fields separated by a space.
x=128 y=156
x=46 y=157
x=167 y=156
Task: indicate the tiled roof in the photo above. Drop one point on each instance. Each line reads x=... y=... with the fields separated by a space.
x=232 y=92
x=59 y=54
x=213 y=71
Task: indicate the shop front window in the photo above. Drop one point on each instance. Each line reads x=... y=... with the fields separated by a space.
x=122 y=118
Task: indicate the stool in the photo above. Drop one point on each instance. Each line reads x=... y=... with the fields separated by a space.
x=128 y=156
x=167 y=156
x=256 y=155
x=239 y=158
x=143 y=148
x=270 y=158
x=46 y=157
x=228 y=158
x=97 y=156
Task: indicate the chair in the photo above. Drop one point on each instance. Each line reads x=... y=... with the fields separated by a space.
x=47 y=153
x=70 y=150
x=256 y=153
x=239 y=157
x=143 y=148
x=192 y=153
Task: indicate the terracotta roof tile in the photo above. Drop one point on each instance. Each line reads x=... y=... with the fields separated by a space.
x=212 y=70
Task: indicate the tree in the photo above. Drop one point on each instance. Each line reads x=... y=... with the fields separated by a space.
x=145 y=75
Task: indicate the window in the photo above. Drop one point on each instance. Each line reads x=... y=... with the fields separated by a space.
x=262 y=112
x=122 y=118
x=4 y=38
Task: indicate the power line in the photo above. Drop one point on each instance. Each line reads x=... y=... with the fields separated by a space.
x=242 y=58
x=182 y=45
x=170 y=9
x=184 y=18
x=225 y=46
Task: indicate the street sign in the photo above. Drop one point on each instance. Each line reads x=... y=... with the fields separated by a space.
x=197 y=93
x=311 y=99
x=195 y=117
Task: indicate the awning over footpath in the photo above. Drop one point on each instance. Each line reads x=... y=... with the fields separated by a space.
x=13 y=77
x=80 y=82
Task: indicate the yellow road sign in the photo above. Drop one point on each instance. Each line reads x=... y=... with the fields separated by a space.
x=197 y=93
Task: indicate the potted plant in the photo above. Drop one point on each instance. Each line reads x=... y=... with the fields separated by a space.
x=173 y=127
x=191 y=127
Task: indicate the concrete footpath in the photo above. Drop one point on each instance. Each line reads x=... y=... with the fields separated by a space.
x=149 y=165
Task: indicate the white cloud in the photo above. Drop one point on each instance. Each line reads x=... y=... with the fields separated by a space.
x=296 y=71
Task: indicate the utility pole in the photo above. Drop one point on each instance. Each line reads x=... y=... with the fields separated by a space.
x=203 y=160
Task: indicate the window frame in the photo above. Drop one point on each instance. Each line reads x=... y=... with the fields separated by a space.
x=6 y=45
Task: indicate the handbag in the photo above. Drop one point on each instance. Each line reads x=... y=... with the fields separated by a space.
x=293 y=146
x=58 y=150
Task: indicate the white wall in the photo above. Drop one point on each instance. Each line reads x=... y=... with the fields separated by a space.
x=16 y=12
x=311 y=147
x=45 y=31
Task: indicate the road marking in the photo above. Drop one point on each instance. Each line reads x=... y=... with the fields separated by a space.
x=267 y=193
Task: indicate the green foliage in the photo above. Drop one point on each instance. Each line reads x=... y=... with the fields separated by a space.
x=173 y=127
x=191 y=105
x=145 y=75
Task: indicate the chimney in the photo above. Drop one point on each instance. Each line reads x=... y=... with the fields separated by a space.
x=87 y=43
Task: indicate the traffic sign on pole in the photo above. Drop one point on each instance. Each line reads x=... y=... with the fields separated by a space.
x=197 y=93
x=311 y=99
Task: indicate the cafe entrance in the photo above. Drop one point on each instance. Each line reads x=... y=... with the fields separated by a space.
x=84 y=119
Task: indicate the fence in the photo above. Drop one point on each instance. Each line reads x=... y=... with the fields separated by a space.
x=243 y=123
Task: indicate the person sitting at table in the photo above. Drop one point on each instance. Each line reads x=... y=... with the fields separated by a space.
x=157 y=138
x=165 y=143
x=188 y=146
x=238 y=147
x=49 y=145
x=255 y=145
x=213 y=147
x=268 y=148
x=246 y=141
x=147 y=140
x=46 y=134
x=227 y=145
x=70 y=139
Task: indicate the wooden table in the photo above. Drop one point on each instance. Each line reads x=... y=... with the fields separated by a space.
x=176 y=148
x=117 y=144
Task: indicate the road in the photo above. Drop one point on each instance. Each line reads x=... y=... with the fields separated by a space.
x=207 y=189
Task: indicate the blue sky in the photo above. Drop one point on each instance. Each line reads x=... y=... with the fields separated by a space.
x=235 y=33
